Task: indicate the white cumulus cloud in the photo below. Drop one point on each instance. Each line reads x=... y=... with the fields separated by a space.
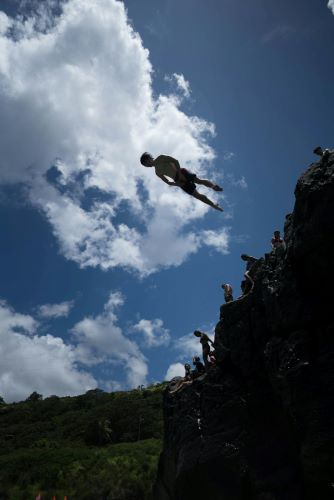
x=175 y=370
x=219 y=240
x=5 y=23
x=331 y=5
x=101 y=340
x=32 y=362
x=76 y=94
x=153 y=331
x=48 y=365
x=12 y=321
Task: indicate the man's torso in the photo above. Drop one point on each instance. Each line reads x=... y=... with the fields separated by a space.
x=166 y=165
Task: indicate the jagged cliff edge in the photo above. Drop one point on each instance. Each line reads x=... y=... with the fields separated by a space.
x=260 y=426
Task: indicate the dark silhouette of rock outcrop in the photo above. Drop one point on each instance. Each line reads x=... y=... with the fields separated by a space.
x=261 y=424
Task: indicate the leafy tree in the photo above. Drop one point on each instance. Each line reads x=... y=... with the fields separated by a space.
x=98 y=433
x=2 y=401
x=94 y=392
x=34 y=396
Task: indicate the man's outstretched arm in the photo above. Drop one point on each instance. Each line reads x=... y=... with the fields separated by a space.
x=170 y=183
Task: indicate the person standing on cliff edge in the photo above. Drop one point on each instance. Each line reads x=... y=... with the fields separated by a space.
x=323 y=153
x=248 y=284
x=167 y=166
x=228 y=292
x=204 y=340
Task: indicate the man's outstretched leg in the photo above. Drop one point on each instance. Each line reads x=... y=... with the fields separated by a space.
x=208 y=183
x=206 y=200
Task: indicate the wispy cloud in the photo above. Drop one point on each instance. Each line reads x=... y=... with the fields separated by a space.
x=228 y=155
x=182 y=84
x=240 y=183
x=88 y=106
x=282 y=32
x=55 y=310
x=158 y=27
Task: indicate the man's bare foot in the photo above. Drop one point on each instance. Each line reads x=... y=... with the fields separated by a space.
x=217 y=207
x=215 y=187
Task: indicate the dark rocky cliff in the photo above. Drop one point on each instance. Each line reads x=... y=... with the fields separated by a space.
x=261 y=424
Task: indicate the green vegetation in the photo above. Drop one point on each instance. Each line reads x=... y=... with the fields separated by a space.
x=98 y=445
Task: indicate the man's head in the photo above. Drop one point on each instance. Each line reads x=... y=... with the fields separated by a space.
x=224 y=285
x=244 y=256
x=146 y=159
x=277 y=234
x=197 y=333
x=318 y=151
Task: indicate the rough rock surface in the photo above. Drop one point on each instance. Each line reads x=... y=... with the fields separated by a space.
x=261 y=424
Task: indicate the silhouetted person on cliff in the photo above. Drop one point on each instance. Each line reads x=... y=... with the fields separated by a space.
x=276 y=240
x=166 y=166
x=278 y=248
x=248 y=285
x=212 y=358
x=199 y=367
x=204 y=340
x=186 y=380
x=323 y=153
x=228 y=292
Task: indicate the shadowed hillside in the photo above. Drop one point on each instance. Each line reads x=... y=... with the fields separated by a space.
x=98 y=445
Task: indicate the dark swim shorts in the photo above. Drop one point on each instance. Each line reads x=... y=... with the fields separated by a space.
x=190 y=185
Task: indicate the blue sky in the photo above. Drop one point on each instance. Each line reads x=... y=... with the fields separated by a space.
x=105 y=270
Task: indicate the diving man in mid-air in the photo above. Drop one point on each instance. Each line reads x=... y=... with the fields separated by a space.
x=166 y=166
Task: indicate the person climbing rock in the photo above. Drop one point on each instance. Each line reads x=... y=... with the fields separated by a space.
x=228 y=292
x=204 y=340
x=168 y=167
x=248 y=284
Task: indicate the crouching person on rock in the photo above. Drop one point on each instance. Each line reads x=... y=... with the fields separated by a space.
x=186 y=380
x=199 y=367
